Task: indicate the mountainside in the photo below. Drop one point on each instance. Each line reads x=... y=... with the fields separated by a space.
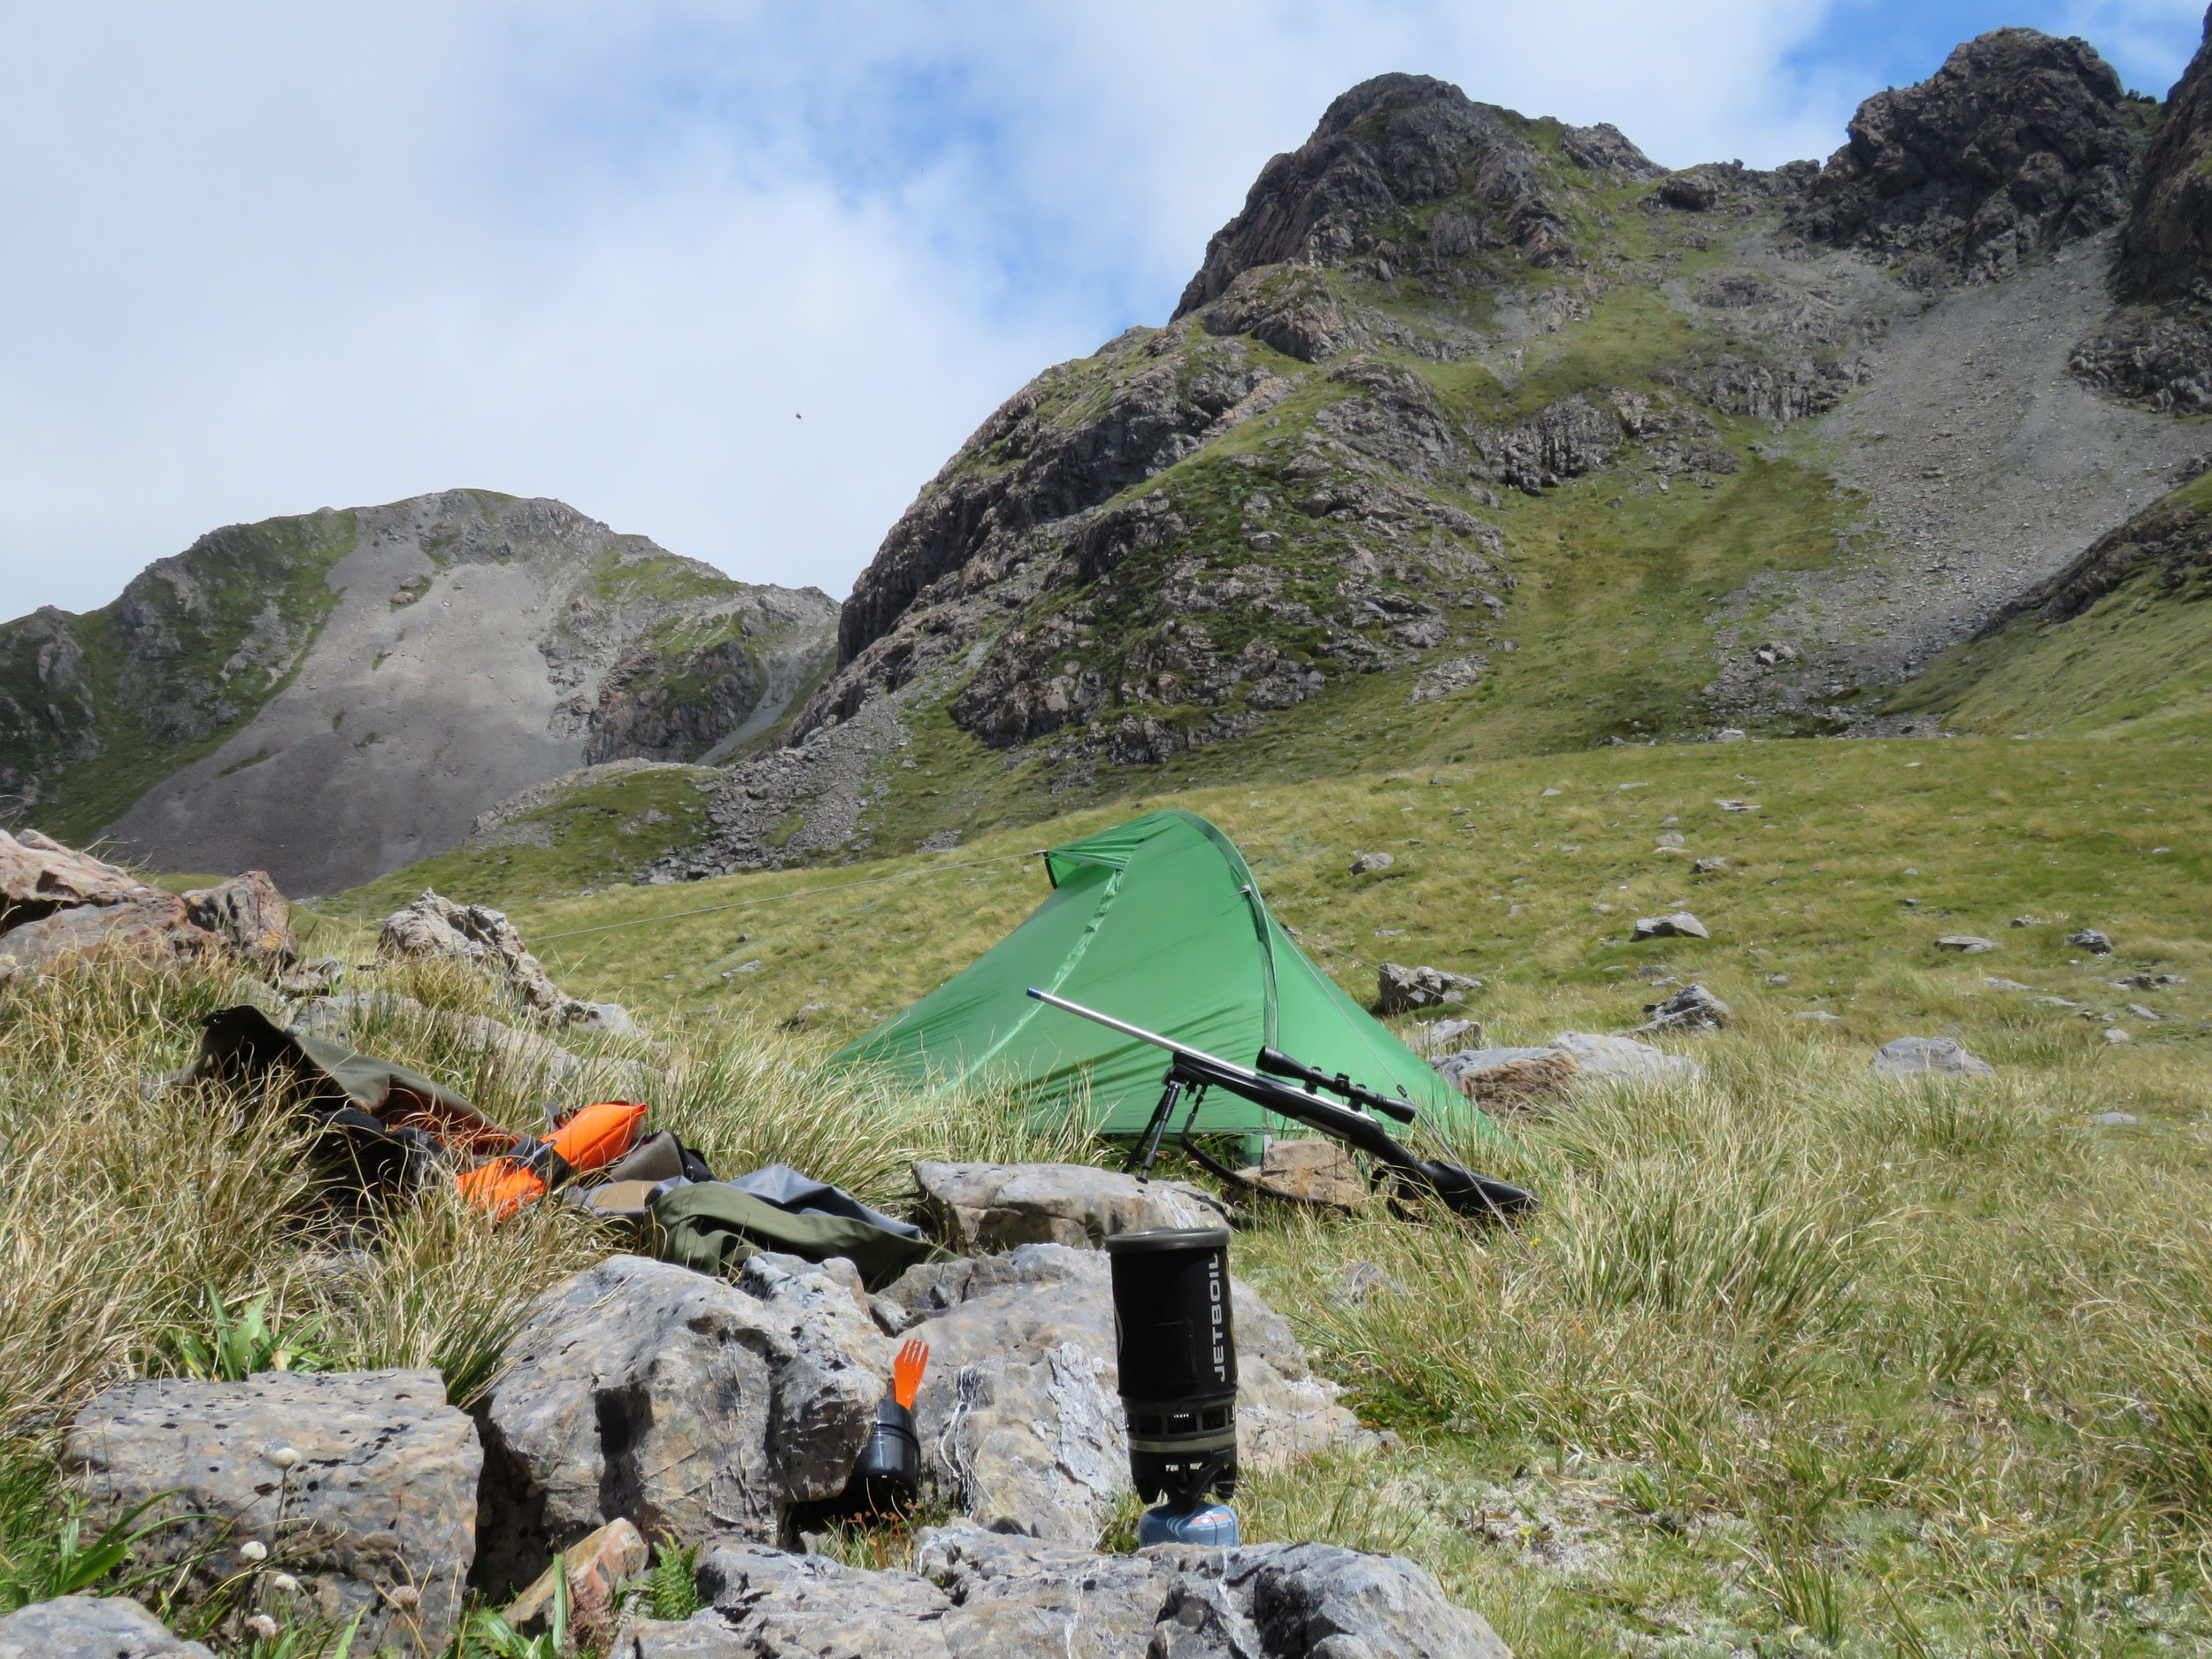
x=333 y=695
x=1477 y=435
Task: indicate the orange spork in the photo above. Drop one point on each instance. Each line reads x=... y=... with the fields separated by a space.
x=906 y=1372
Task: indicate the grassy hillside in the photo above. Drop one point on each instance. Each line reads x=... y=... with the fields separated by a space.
x=1536 y=892
x=1794 y=1360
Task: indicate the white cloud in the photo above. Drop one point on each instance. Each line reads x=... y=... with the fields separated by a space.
x=267 y=257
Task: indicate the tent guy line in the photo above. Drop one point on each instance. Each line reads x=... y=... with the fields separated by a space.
x=799 y=893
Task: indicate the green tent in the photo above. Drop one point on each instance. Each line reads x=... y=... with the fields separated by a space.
x=1159 y=923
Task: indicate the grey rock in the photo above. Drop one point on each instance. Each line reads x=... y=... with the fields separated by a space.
x=1965 y=944
x=1434 y=1036
x=1997 y=984
x=2116 y=1120
x=1708 y=866
x=977 y=1595
x=608 y=1019
x=1370 y=864
x=691 y=1406
x=38 y=876
x=1819 y=1014
x=91 y=1627
x=1019 y=1422
x=1692 y=1008
x=250 y=916
x=2137 y=1010
x=433 y=926
x=377 y=1515
x=1399 y=989
x=1922 y=1057
x=1600 y=1055
x=2114 y=1034
x=972 y=1207
x=1502 y=1076
x=1359 y=1282
x=1680 y=925
x=2094 y=941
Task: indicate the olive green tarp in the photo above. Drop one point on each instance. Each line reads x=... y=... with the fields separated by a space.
x=1158 y=922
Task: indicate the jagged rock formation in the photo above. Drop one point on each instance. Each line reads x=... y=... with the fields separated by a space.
x=334 y=696
x=1437 y=345
x=2018 y=143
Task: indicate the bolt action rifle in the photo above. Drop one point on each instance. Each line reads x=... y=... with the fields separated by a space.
x=1193 y=1071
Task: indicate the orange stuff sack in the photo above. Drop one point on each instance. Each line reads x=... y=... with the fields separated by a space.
x=593 y=1138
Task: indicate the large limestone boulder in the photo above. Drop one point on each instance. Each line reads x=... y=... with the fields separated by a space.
x=1507 y=1076
x=997 y=1206
x=1597 y=1054
x=978 y=1594
x=1019 y=1422
x=91 y=1627
x=361 y=1485
x=691 y=1406
x=1927 y=1057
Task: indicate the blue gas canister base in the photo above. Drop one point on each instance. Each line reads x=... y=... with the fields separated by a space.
x=1213 y=1525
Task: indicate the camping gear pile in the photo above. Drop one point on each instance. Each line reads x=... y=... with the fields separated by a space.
x=382 y=1132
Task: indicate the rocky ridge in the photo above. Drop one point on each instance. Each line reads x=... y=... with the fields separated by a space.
x=418 y=661
x=1435 y=328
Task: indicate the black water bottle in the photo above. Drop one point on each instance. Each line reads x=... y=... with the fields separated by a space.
x=1175 y=1347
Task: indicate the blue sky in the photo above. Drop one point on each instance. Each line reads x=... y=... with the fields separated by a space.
x=265 y=257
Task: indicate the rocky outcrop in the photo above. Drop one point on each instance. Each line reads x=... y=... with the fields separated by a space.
x=1391 y=143
x=361 y=1487
x=2020 y=142
x=978 y=1594
x=417 y=662
x=2166 y=250
x=1020 y=1425
x=973 y=1207
x=690 y=1406
x=57 y=905
x=434 y=927
x=2167 y=547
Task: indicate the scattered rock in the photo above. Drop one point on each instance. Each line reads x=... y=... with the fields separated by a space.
x=484 y=938
x=2116 y=1120
x=1403 y=990
x=1599 y=1056
x=1997 y=984
x=1817 y=1013
x=1692 y=1008
x=970 y=1207
x=1371 y=864
x=609 y=1019
x=91 y=1627
x=1502 y=1076
x=2093 y=940
x=979 y=1595
x=247 y=913
x=691 y=1406
x=1919 y=1057
x=2138 y=1011
x=2113 y=1034
x=2027 y=921
x=374 y=1515
x=1019 y=1424
x=1434 y=1035
x=1708 y=866
x=1361 y=1282
x=1737 y=806
x=1680 y=925
x=1320 y=1170
x=1966 y=944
